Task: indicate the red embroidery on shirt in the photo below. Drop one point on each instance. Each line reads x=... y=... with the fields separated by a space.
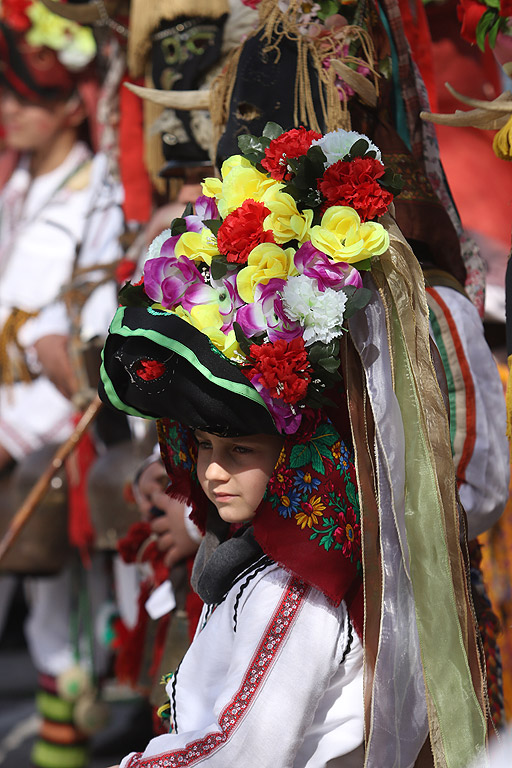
x=277 y=630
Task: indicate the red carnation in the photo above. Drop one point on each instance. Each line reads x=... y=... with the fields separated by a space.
x=283 y=368
x=291 y=144
x=242 y=230
x=354 y=183
x=149 y=369
x=469 y=13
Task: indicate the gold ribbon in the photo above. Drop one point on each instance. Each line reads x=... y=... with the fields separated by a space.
x=13 y=366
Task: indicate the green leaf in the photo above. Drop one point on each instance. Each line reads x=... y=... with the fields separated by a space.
x=133 y=296
x=189 y=210
x=300 y=455
x=359 y=299
x=272 y=130
x=484 y=25
x=213 y=225
x=359 y=149
x=493 y=4
x=218 y=269
x=243 y=341
x=178 y=227
x=350 y=490
x=253 y=147
x=493 y=32
x=330 y=364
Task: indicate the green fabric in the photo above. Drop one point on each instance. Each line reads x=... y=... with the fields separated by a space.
x=46 y=755
x=446 y=669
x=245 y=390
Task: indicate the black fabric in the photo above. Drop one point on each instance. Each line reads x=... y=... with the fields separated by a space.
x=264 y=91
x=182 y=392
x=182 y=53
x=214 y=574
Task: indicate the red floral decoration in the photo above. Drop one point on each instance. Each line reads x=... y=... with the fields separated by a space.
x=355 y=183
x=505 y=8
x=348 y=534
x=291 y=144
x=469 y=13
x=283 y=368
x=14 y=13
x=149 y=370
x=282 y=480
x=242 y=230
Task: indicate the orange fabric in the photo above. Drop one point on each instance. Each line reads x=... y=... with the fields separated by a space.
x=80 y=529
x=417 y=32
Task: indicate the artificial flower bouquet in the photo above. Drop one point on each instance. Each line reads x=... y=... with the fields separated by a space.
x=483 y=20
x=268 y=263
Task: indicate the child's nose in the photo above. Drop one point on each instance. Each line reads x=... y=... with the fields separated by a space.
x=216 y=471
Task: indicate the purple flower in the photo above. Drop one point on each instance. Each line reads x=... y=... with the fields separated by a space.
x=266 y=314
x=221 y=292
x=286 y=418
x=206 y=209
x=167 y=278
x=316 y=264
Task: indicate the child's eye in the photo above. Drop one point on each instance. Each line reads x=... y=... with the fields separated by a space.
x=242 y=449
x=204 y=445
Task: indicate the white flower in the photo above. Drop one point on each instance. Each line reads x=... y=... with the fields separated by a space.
x=337 y=144
x=319 y=312
x=156 y=245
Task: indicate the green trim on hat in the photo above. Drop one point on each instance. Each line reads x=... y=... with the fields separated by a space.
x=117 y=327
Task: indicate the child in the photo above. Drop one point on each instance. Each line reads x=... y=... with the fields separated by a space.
x=235 y=347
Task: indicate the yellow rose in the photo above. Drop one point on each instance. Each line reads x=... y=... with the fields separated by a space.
x=225 y=342
x=265 y=261
x=198 y=246
x=342 y=236
x=285 y=220
x=242 y=183
x=212 y=187
x=207 y=316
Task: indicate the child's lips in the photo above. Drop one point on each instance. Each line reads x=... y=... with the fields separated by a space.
x=223 y=496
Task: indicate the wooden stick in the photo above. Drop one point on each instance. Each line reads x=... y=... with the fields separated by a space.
x=40 y=488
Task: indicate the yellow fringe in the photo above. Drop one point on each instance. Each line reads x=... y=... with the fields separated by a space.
x=146 y=15
x=502 y=142
x=13 y=366
x=508 y=399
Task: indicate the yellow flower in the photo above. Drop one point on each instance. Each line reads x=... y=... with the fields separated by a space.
x=310 y=513
x=342 y=236
x=203 y=318
x=285 y=220
x=241 y=181
x=75 y=41
x=198 y=246
x=265 y=261
x=212 y=187
x=207 y=316
x=225 y=342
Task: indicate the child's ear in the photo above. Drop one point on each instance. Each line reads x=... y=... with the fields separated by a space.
x=76 y=113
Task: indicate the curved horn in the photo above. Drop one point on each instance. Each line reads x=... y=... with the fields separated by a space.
x=503 y=103
x=84 y=13
x=358 y=82
x=185 y=100
x=474 y=118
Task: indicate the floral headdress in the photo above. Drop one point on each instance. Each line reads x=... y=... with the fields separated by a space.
x=73 y=44
x=269 y=264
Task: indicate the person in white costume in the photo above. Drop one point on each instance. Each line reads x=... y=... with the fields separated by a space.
x=60 y=215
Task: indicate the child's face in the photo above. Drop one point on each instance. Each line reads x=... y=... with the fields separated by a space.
x=31 y=127
x=234 y=471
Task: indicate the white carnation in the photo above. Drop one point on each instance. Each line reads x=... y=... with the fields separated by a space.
x=156 y=244
x=319 y=312
x=337 y=144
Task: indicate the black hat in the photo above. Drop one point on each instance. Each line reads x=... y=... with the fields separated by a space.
x=156 y=365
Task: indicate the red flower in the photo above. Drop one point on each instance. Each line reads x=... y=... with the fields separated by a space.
x=149 y=369
x=283 y=368
x=242 y=230
x=348 y=534
x=281 y=480
x=354 y=183
x=291 y=144
x=130 y=544
x=469 y=13
x=125 y=270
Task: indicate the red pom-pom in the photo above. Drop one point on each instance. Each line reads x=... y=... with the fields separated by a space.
x=355 y=183
x=149 y=370
x=291 y=144
x=242 y=230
